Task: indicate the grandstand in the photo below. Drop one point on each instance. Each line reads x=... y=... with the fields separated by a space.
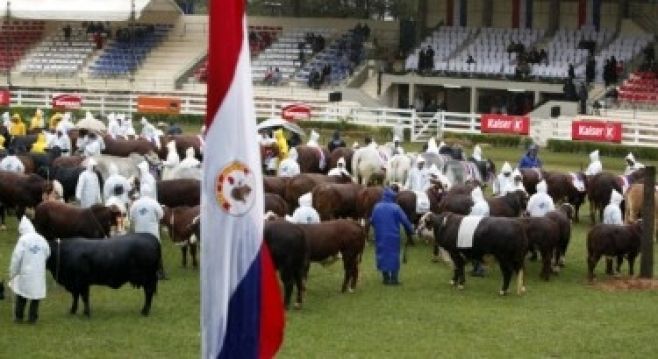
x=16 y=37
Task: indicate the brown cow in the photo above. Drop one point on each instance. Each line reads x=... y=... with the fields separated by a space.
x=342 y=236
x=311 y=159
x=21 y=191
x=613 y=241
x=336 y=200
x=543 y=235
x=510 y=205
x=179 y=222
x=634 y=199
x=179 y=192
x=304 y=183
x=289 y=250
x=600 y=186
x=183 y=142
x=276 y=185
x=28 y=163
x=339 y=152
x=67 y=161
x=123 y=148
x=561 y=189
x=562 y=217
x=53 y=219
x=275 y=204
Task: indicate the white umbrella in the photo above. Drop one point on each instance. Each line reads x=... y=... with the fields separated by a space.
x=91 y=124
x=279 y=122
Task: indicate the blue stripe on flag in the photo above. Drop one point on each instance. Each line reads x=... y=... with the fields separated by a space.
x=243 y=321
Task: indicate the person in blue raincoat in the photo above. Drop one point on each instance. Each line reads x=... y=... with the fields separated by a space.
x=531 y=158
x=386 y=219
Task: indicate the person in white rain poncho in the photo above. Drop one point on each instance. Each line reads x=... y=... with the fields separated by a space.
x=480 y=205
x=61 y=140
x=504 y=183
x=88 y=190
x=631 y=164
x=150 y=133
x=540 y=203
x=6 y=119
x=65 y=125
x=190 y=161
x=313 y=139
x=289 y=166
x=417 y=180
x=595 y=165
x=147 y=184
x=11 y=163
x=340 y=169
x=91 y=145
x=436 y=175
x=477 y=153
x=432 y=147
x=113 y=126
x=518 y=180
x=145 y=215
x=612 y=212
x=305 y=213
x=27 y=271
x=397 y=146
x=127 y=128
x=116 y=185
x=173 y=159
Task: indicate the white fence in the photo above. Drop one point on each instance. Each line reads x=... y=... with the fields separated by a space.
x=640 y=130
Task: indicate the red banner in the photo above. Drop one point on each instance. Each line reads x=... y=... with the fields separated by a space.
x=163 y=105
x=598 y=131
x=67 y=102
x=296 y=112
x=516 y=125
x=5 y=98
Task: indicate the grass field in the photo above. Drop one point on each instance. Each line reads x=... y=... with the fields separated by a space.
x=422 y=318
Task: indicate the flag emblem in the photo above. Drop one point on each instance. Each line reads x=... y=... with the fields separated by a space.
x=235 y=188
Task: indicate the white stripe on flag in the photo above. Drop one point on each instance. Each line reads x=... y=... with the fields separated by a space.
x=230 y=243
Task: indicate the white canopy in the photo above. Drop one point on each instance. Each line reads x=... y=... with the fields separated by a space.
x=83 y=10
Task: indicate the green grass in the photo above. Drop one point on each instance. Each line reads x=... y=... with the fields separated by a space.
x=423 y=318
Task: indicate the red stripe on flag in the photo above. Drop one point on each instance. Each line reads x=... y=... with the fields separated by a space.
x=271 y=307
x=225 y=42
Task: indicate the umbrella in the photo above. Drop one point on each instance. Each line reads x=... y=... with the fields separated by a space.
x=279 y=122
x=91 y=124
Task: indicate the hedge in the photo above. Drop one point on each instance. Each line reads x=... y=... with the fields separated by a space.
x=494 y=140
x=605 y=149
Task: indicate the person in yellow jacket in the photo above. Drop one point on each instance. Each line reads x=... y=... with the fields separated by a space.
x=2 y=142
x=17 y=127
x=54 y=120
x=39 y=146
x=282 y=143
x=37 y=121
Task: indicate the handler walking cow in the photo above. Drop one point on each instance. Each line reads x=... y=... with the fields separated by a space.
x=386 y=219
x=145 y=214
x=27 y=271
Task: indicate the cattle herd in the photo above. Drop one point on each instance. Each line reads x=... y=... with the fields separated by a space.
x=81 y=239
x=88 y=245
x=345 y=203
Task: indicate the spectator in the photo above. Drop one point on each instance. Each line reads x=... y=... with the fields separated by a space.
x=98 y=39
x=582 y=96
x=268 y=79
x=590 y=69
x=470 y=60
x=67 y=33
x=543 y=56
x=277 y=77
x=571 y=72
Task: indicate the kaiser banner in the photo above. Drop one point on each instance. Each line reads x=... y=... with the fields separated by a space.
x=516 y=125
x=67 y=102
x=5 y=97
x=598 y=131
x=296 y=112
x=163 y=105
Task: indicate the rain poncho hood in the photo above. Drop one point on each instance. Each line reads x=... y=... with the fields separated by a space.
x=507 y=168
x=542 y=187
x=630 y=157
x=25 y=226
x=431 y=146
x=388 y=195
x=477 y=153
x=341 y=162
x=594 y=156
x=616 y=198
x=477 y=195
x=306 y=200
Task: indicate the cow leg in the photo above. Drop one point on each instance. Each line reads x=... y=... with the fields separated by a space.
x=546 y=259
x=85 y=301
x=592 y=260
x=195 y=264
x=287 y=279
x=506 y=270
x=74 y=305
x=3 y=214
x=355 y=275
x=620 y=261
x=608 y=266
x=347 y=267
x=631 y=263
x=592 y=210
x=458 y=277
x=183 y=250
x=299 y=283
x=149 y=290
x=576 y=213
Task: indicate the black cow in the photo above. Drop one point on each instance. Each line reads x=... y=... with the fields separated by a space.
x=78 y=263
x=562 y=216
x=543 y=235
x=290 y=254
x=504 y=238
x=68 y=178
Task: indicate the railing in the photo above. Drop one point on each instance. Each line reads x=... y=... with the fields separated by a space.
x=637 y=131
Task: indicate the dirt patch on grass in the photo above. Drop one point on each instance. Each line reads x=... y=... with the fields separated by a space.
x=626 y=284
